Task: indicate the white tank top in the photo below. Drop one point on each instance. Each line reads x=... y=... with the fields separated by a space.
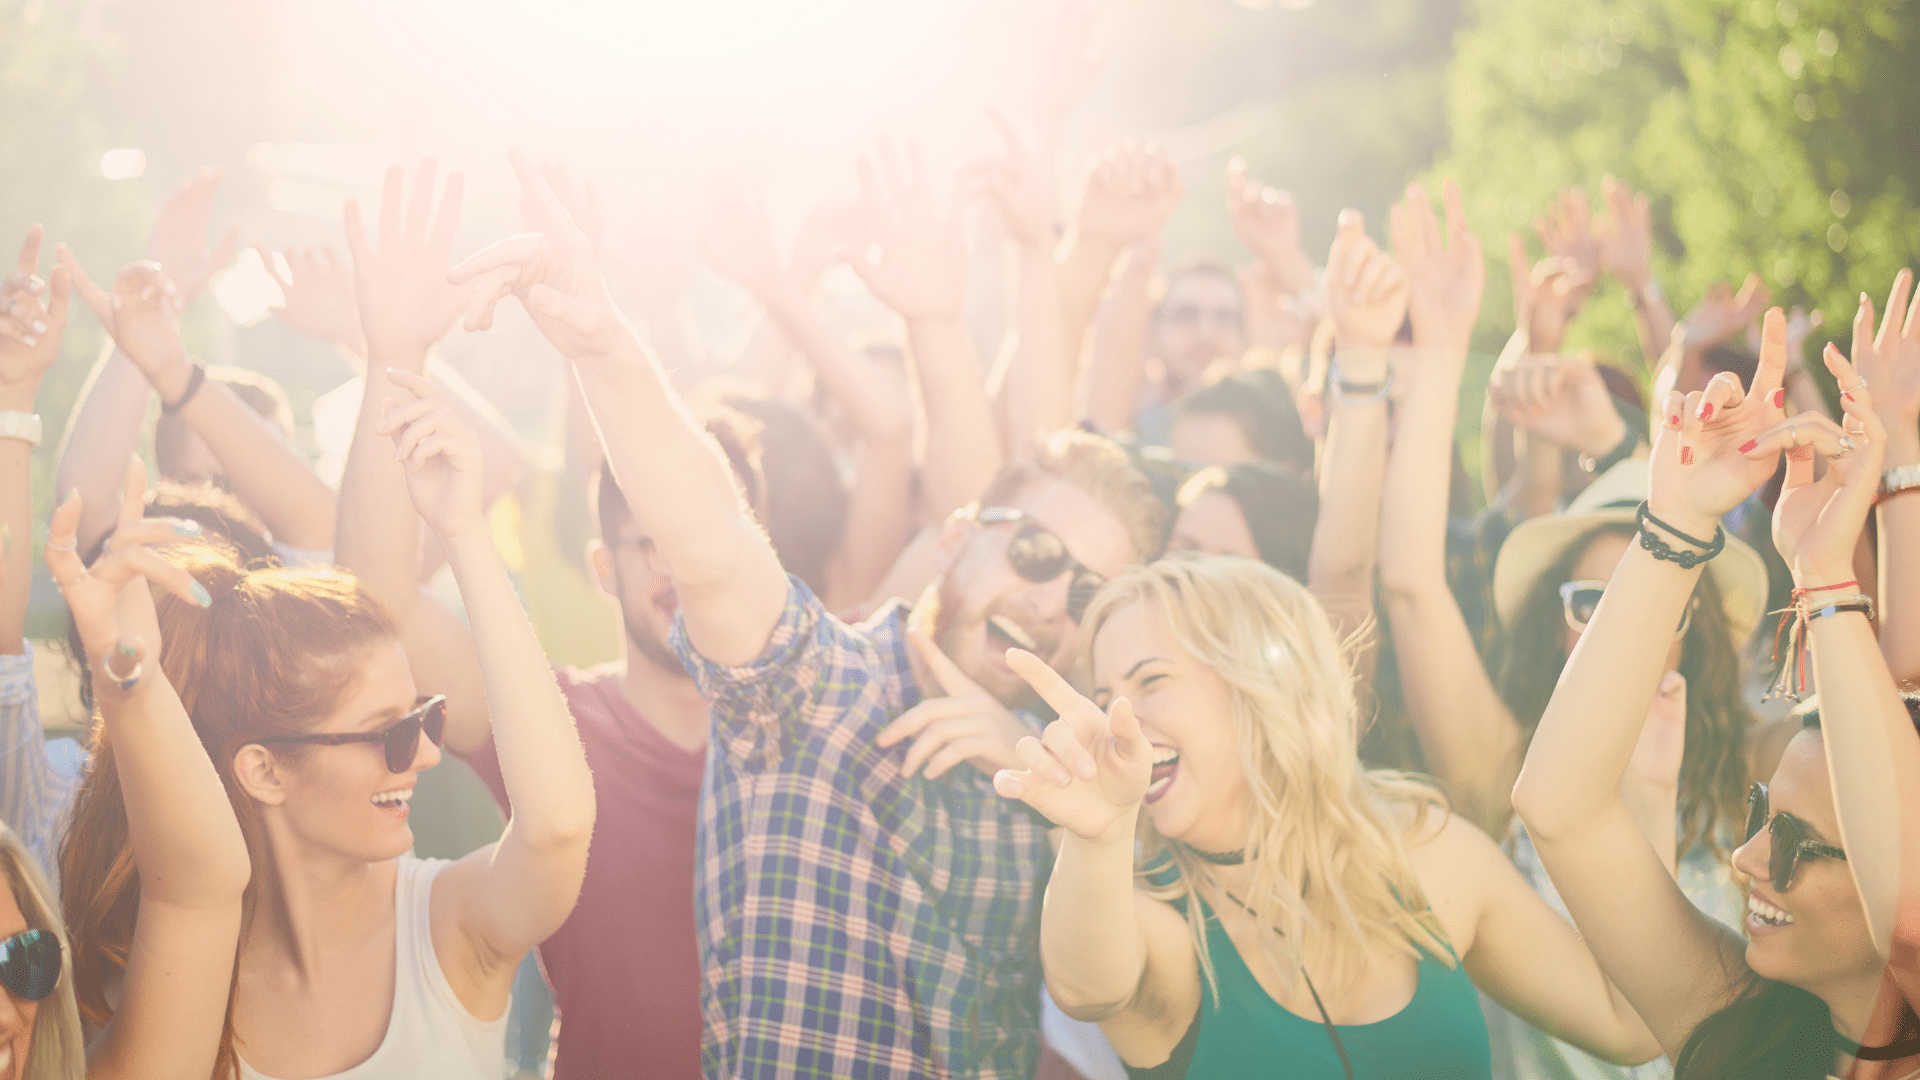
x=430 y=1035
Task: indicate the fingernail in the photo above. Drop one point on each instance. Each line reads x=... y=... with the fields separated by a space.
x=1673 y=421
x=200 y=595
x=1847 y=394
x=127 y=650
x=1779 y=398
x=187 y=527
x=1008 y=786
x=1747 y=446
x=1706 y=410
x=71 y=495
x=1686 y=455
x=39 y=327
x=1864 y=301
x=1060 y=778
x=1086 y=770
x=28 y=338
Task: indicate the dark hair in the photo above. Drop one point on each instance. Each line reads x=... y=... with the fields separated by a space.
x=805 y=507
x=1194 y=266
x=1262 y=406
x=1774 y=1029
x=733 y=433
x=1280 y=508
x=261 y=394
x=1713 y=769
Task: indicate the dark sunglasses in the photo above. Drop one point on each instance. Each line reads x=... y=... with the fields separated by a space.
x=1039 y=556
x=30 y=964
x=402 y=737
x=1789 y=836
x=1582 y=598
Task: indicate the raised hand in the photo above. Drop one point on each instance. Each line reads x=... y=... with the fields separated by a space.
x=1722 y=313
x=1268 y=223
x=1089 y=769
x=1816 y=523
x=1890 y=362
x=441 y=456
x=1707 y=452
x=921 y=271
x=1012 y=184
x=1445 y=281
x=1625 y=234
x=1130 y=192
x=552 y=272
x=1275 y=318
x=406 y=301
x=317 y=295
x=1561 y=400
x=146 y=314
x=1545 y=298
x=179 y=240
x=111 y=605
x=967 y=725
x=1566 y=230
x=833 y=226
x=1366 y=290
x=33 y=317
x=738 y=238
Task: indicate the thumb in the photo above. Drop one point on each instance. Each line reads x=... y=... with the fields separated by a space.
x=1129 y=741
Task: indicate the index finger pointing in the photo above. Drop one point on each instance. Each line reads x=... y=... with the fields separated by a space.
x=1051 y=687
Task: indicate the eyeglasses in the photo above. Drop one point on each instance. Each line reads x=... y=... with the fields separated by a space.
x=402 y=737
x=1039 y=556
x=30 y=964
x=1582 y=598
x=1789 y=837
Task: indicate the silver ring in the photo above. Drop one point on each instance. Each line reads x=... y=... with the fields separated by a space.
x=1861 y=385
x=1846 y=447
x=72 y=545
x=124 y=682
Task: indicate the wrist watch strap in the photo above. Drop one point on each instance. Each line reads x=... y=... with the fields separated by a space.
x=22 y=426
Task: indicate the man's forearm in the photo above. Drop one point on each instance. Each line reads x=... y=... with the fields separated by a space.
x=377 y=534
x=963 y=448
x=297 y=506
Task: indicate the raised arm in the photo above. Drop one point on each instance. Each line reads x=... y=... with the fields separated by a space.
x=1109 y=954
x=1129 y=193
x=507 y=899
x=1890 y=362
x=1367 y=297
x=1675 y=964
x=1037 y=379
x=187 y=848
x=731 y=588
x=1625 y=233
x=1470 y=740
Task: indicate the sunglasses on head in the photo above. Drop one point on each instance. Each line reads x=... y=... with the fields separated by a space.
x=1581 y=599
x=1039 y=556
x=1788 y=835
x=402 y=738
x=30 y=964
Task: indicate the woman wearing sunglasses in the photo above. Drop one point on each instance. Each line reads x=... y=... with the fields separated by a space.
x=356 y=959
x=1807 y=989
x=39 y=1027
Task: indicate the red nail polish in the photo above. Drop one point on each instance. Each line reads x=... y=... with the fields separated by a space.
x=1780 y=398
x=1749 y=445
x=1846 y=395
x=1686 y=455
x=1706 y=411
x=1673 y=421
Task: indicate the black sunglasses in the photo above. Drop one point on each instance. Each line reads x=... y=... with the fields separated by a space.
x=1581 y=599
x=30 y=964
x=1789 y=836
x=402 y=737
x=1039 y=556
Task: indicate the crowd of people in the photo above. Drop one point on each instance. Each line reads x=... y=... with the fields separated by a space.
x=1145 y=696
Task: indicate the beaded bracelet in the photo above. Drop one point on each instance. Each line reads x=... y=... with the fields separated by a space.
x=1661 y=550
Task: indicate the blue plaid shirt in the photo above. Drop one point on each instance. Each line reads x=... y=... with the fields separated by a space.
x=854 y=922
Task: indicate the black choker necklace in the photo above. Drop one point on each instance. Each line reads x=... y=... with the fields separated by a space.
x=1898 y=1051
x=1220 y=858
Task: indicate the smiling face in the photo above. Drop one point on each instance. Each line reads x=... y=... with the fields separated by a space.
x=17 y=1015
x=630 y=571
x=987 y=608
x=1199 y=793
x=1813 y=935
x=344 y=799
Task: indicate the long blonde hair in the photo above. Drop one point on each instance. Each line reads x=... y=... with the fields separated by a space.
x=1329 y=869
x=59 y=1052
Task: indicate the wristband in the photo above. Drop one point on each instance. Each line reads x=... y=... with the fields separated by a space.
x=194 y=382
x=1357 y=393
x=1620 y=453
x=1895 y=481
x=1662 y=551
x=1860 y=603
x=22 y=426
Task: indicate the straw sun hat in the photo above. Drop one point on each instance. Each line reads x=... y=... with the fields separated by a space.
x=1612 y=499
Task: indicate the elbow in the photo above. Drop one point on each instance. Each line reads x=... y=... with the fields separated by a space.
x=559 y=831
x=1542 y=810
x=1634 y=1048
x=1090 y=1009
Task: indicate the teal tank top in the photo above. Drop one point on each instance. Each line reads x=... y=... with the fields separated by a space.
x=1440 y=1035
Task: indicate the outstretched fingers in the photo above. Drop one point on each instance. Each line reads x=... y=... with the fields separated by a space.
x=1771 y=371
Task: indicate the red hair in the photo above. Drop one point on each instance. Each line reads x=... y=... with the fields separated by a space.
x=274 y=654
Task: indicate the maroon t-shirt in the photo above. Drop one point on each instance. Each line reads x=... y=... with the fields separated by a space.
x=625 y=967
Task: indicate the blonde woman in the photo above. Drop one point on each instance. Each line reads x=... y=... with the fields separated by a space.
x=39 y=1024
x=1293 y=911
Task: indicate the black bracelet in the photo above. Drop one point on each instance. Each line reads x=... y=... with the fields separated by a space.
x=1628 y=444
x=1659 y=548
x=194 y=381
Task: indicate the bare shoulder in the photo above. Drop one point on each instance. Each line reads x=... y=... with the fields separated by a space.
x=1458 y=866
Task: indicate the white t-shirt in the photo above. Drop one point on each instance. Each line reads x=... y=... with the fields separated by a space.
x=431 y=1035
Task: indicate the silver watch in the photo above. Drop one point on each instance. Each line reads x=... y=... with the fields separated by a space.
x=1898 y=478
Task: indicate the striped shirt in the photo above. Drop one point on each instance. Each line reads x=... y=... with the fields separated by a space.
x=854 y=922
x=37 y=780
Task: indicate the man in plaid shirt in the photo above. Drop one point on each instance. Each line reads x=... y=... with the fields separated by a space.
x=857 y=917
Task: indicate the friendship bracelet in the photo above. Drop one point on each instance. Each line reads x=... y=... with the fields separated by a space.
x=194 y=381
x=1664 y=552
x=1800 y=592
x=1861 y=603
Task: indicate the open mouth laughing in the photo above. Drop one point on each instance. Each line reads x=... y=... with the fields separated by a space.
x=1764 y=914
x=1166 y=763
x=395 y=801
x=1007 y=634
